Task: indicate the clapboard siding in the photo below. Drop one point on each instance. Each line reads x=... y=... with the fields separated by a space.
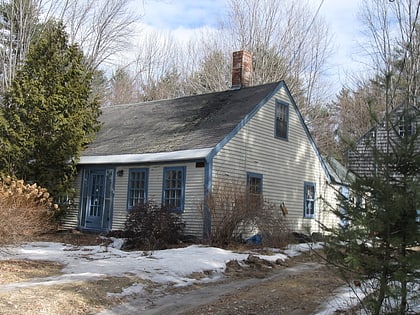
x=194 y=194
x=70 y=219
x=382 y=139
x=285 y=164
x=236 y=130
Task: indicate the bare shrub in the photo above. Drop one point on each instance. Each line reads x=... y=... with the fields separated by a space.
x=150 y=226
x=272 y=225
x=26 y=210
x=236 y=214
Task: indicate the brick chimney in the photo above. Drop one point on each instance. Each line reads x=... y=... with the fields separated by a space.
x=241 y=69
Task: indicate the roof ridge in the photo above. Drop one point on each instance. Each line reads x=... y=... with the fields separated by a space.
x=187 y=96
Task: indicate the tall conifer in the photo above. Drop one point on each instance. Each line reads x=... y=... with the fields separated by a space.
x=49 y=113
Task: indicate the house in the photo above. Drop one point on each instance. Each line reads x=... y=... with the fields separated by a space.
x=393 y=143
x=385 y=137
x=175 y=151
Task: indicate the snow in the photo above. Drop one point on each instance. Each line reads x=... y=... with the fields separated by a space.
x=147 y=157
x=167 y=267
x=171 y=266
x=346 y=297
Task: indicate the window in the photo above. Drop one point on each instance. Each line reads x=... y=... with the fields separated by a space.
x=309 y=200
x=405 y=127
x=137 y=187
x=174 y=188
x=345 y=196
x=282 y=120
x=255 y=189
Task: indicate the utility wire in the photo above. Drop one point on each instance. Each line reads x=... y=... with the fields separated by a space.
x=306 y=32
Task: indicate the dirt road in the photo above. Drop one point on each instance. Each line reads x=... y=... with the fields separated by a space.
x=297 y=289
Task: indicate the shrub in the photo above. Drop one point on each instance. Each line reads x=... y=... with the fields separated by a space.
x=237 y=215
x=26 y=210
x=150 y=227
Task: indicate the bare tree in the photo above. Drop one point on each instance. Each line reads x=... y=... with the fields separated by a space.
x=213 y=73
x=288 y=39
x=355 y=112
x=17 y=21
x=157 y=68
x=122 y=88
x=102 y=28
x=393 y=46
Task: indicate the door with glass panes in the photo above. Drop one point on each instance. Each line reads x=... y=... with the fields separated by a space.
x=97 y=199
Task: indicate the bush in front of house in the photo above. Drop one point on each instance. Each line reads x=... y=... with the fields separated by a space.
x=150 y=226
x=238 y=216
x=26 y=210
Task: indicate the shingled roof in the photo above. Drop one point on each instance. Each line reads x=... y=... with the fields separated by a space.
x=192 y=122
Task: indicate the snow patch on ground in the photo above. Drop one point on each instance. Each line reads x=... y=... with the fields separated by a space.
x=174 y=267
x=171 y=266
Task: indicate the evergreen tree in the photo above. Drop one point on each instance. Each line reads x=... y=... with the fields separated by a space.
x=48 y=113
x=378 y=221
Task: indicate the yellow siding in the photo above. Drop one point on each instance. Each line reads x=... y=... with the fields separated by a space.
x=194 y=194
x=285 y=164
x=70 y=219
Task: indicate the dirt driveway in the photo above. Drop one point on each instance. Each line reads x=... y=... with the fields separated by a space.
x=297 y=288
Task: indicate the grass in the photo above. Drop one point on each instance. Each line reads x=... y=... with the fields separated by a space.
x=13 y=271
x=78 y=297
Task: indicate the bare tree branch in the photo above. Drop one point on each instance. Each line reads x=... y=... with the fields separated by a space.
x=102 y=28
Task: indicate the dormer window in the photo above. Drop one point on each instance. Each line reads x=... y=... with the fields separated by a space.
x=282 y=120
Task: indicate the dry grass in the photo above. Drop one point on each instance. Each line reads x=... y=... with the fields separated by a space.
x=81 y=297
x=72 y=237
x=12 y=271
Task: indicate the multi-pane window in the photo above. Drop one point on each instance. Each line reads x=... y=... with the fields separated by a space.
x=309 y=200
x=282 y=120
x=255 y=189
x=345 y=196
x=405 y=127
x=137 y=187
x=173 y=188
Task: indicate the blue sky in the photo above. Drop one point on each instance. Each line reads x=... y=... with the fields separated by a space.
x=341 y=15
x=184 y=16
x=187 y=14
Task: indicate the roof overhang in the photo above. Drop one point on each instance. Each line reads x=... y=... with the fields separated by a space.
x=146 y=157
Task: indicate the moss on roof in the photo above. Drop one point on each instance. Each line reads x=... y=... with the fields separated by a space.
x=192 y=122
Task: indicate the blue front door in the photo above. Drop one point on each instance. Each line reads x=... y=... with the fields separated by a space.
x=97 y=199
x=96 y=195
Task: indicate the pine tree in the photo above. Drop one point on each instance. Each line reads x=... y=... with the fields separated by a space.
x=48 y=113
x=378 y=219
